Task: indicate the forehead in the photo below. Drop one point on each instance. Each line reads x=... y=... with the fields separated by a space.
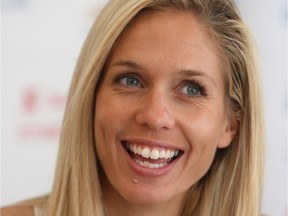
x=170 y=25
x=169 y=29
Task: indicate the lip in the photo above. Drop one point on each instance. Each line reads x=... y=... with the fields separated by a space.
x=150 y=172
x=159 y=144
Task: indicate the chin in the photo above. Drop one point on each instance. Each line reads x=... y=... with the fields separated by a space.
x=140 y=193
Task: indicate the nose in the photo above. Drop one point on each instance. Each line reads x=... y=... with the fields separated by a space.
x=155 y=112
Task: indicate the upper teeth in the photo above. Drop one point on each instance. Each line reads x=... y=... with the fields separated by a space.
x=152 y=153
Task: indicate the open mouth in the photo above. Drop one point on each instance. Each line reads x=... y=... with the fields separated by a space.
x=151 y=157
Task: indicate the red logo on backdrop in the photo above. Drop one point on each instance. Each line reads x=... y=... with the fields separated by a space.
x=30 y=100
x=41 y=111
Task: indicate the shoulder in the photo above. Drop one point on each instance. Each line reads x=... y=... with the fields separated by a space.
x=30 y=207
x=18 y=210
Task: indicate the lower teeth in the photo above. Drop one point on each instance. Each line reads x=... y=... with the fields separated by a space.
x=150 y=165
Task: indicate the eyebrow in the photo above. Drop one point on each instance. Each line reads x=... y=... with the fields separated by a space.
x=194 y=73
x=129 y=64
x=185 y=72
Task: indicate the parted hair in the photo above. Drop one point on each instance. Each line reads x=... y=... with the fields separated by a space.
x=233 y=184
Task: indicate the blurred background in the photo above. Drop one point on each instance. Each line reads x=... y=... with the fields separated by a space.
x=41 y=41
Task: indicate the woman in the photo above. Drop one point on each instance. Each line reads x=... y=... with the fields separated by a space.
x=164 y=115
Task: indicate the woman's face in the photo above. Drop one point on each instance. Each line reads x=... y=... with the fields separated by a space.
x=160 y=112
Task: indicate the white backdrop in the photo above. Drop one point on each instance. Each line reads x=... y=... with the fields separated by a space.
x=41 y=40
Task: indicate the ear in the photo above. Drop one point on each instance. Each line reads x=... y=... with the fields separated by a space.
x=229 y=132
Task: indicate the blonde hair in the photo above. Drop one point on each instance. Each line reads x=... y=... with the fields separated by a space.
x=233 y=184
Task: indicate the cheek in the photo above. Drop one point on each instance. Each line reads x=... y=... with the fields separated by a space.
x=200 y=158
x=107 y=112
x=203 y=127
x=203 y=133
x=111 y=118
x=102 y=127
x=105 y=132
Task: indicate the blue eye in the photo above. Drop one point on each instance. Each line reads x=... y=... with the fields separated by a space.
x=192 y=90
x=129 y=81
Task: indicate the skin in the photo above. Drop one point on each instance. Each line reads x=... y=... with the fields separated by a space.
x=163 y=84
x=17 y=211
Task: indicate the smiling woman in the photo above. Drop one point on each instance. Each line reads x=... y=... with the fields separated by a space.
x=146 y=105
x=164 y=115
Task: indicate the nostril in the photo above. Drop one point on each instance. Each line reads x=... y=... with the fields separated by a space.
x=155 y=120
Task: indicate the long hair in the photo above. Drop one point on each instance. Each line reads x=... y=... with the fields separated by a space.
x=233 y=184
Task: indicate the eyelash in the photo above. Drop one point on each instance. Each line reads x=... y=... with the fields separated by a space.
x=193 y=82
x=118 y=78
x=197 y=84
